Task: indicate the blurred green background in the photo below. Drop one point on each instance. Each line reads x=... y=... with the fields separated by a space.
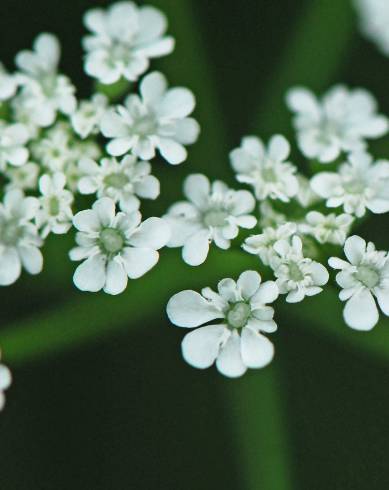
x=101 y=397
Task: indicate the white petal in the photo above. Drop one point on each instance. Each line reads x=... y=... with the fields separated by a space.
x=196 y=248
x=361 y=312
x=153 y=233
x=319 y=274
x=87 y=221
x=119 y=146
x=248 y=283
x=172 y=151
x=153 y=87
x=257 y=350
x=116 y=281
x=152 y=24
x=91 y=274
x=229 y=361
x=197 y=189
x=187 y=131
x=324 y=183
x=200 y=348
x=5 y=377
x=105 y=209
x=279 y=148
x=177 y=103
x=10 y=267
x=138 y=261
x=354 y=249
x=383 y=299
x=32 y=259
x=267 y=293
x=189 y=309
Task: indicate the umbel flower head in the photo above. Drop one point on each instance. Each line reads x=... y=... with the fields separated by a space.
x=341 y=121
x=115 y=246
x=363 y=277
x=213 y=213
x=19 y=239
x=237 y=341
x=359 y=184
x=155 y=120
x=5 y=382
x=266 y=169
x=124 y=37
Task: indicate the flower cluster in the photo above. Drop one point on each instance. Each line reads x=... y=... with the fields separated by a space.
x=84 y=167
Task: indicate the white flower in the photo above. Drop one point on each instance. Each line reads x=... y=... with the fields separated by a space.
x=55 y=212
x=266 y=169
x=13 y=138
x=330 y=228
x=237 y=342
x=124 y=182
x=297 y=276
x=211 y=214
x=374 y=18
x=340 y=121
x=263 y=244
x=363 y=277
x=54 y=150
x=45 y=90
x=86 y=120
x=8 y=84
x=156 y=120
x=358 y=184
x=115 y=246
x=124 y=38
x=24 y=177
x=5 y=382
x=19 y=239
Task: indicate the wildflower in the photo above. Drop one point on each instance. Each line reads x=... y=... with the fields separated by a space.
x=5 y=382
x=114 y=247
x=330 y=228
x=237 y=342
x=155 y=120
x=266 y=169
x=123 y=39
x=24 y=177
x=213 y=213
x=124 y=182
x=19 y=239
x=340 y=121
x=363 y=277
x=297 y=276
x=358 y=184
x=86 y=120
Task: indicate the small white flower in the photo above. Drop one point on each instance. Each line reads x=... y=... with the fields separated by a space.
x=13 y=138
x=86 y=120
x=358 y=184
x=124 y=38
x=54 y=151
x=8 y=84
x=115 y=246
x=5 y=382
x=374 y=18
x=363 y=277
x=340 y=121
x=24 y=177
x=124 y=182
x=263 y=244
x=266 y=169
x=155 y=120
x=330 y=228
x=19 y=239
x=297 y=276
x=45 y=90
x=211 y=214
x=55 y=212
x=236 y=343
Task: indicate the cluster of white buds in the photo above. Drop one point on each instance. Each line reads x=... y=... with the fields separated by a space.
x=54 y=147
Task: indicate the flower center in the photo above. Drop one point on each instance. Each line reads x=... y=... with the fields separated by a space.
x=269 y=175
x=216 y=218
x=295 y=273
x=145 y=125
x=54 y=206
x=354 y=186
x=117 y=180
x=368 y=276
x=10 y=232
x=111 y=241
x=238 y=315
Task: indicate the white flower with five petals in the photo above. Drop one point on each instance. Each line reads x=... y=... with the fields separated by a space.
x=364 y=277
x=124 y=38
x=341 y=121
x=123 y=181
x=358 y=185
x=213 y=213
x=5 y=382
x=327 y=228
x=237 y=342
x=297 y=276
x=157 y=120
x=266 y=169
x=114 y=247
x=19 y=239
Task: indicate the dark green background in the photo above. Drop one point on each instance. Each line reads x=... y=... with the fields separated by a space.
x=127 y=413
